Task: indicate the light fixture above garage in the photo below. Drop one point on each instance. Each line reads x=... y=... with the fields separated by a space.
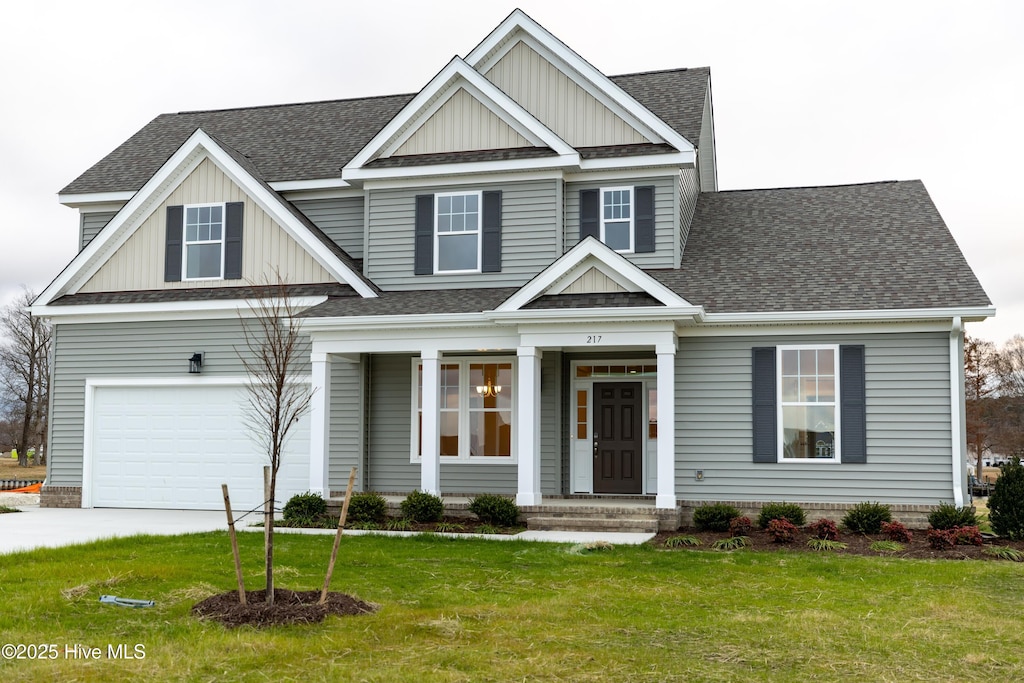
x=195 y=363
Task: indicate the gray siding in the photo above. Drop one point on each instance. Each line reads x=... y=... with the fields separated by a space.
x=389 y=436
x=689 y=188
x=908 y=425
x=144 y=349
x=666 y=217
x=340 y=219
x=706 y=148
x=346 y=435
x=90 y=224
x=528 y=237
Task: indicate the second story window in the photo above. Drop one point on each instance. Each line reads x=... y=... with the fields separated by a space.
x=204 y=242
x=617 y=218
x=457 y=232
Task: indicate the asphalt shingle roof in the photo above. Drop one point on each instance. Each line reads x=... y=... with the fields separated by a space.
x=147 y=296
x=850 y=247
x=415 y=302
x=314 y=140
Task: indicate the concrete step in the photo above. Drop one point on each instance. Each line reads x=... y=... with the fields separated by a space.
x=625 y=524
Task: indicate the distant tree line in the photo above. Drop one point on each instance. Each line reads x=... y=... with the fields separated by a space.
x=994 y=390
x=25 y=355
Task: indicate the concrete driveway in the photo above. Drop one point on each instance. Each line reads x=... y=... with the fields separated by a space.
x=36 y=527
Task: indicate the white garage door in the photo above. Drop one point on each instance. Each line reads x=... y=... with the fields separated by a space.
x=172 y=447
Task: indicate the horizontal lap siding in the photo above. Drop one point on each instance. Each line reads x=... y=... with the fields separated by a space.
x=529 y=219
x=688 y=191
x=550 y=421
x=666 y=217
x=346 y=435
x=150 y=349
x=340 y=219
x=908 y=425
x=91 y=224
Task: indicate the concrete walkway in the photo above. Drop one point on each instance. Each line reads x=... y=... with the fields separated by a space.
x=36 y=527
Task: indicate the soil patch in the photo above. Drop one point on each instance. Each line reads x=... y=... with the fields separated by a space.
x=290 y=607
x=9 y=469
x=856 y=544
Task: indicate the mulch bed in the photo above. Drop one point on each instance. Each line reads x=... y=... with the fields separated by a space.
x=290 y=607
x=856 y=544
x=470 y=525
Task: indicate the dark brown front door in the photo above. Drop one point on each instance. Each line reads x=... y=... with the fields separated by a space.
x=617 y=434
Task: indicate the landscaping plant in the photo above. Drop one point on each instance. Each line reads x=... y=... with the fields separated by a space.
x=714 y=517
x=305 y=509
x=896 y=531
x=422 y=507
x=740 y=526
x=948 y=516
x=1006 y=504
x=367 y=507
x=781 y=530
x=867 y=517
x=791 y=512
x=824 y=529
x=494 y=509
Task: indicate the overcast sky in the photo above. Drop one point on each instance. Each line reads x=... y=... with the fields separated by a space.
x=805 y=93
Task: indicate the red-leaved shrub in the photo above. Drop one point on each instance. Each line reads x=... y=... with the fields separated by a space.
x=781 y=530
x=825 y=529
x=896 y=531
x=942 y=539
x=740 y=526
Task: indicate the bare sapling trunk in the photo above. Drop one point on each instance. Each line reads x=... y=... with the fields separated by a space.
x=337 y=536
x=268 y=530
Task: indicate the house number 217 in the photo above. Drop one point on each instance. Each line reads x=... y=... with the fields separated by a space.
x=593 y=339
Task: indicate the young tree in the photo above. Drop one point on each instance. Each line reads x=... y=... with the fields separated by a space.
x=274 y=351
x=25 y=374
x=979 y=386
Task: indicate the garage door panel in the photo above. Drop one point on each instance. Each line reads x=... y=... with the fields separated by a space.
x=172 y=447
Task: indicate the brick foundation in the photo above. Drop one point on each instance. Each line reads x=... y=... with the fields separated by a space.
x=60 y=497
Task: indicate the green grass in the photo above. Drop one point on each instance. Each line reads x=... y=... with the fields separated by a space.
x=472 y=610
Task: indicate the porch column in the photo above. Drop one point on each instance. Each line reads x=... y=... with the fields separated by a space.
x=430 y=465
x=320 y=425
x=666 y=497
x=528 y=425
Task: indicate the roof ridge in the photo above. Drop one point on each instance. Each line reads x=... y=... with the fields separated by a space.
x=281 y=105
x=816 y=187
x=663 y=71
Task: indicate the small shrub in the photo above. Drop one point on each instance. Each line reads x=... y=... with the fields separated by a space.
x=1004 y=552
x=1006 y=504
x=365 y=526
x=968 y=535
x=714 y=517
x=948 y=516
x=790 y=512
x=493 y=509
x=886 y=546
x=824 y=529
x=942 y=539
x=682 y=542
x=867 y=518
x=366 y=507
x=449 y=527
x=731 y=543
x=740 y=526
x=421 y=507
x=590 y=548
x=398 y=525
x=305 y=509
x=781 y=530
x=896 y=531
x=825 y=544
x=487 y=529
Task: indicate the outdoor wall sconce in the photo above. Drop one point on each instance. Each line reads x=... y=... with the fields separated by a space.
x=195 y=363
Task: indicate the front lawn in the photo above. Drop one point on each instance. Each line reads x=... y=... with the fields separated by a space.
x=471 y=610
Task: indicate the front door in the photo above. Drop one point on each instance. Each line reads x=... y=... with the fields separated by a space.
x=618 y=430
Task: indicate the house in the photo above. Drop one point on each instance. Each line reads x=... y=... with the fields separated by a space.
x=520 y=280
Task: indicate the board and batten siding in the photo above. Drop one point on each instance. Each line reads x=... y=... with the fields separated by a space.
x=909 y=440
x=341 y=219
x=689 y=188
x=461 y=124
x=558 y=102
x=666 y=215
x=139 y=263
x=529 y=232
x=389 y=437
x=124 y=350
x=90 y=224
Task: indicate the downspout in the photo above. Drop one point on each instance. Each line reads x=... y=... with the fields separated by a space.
x=956 y=408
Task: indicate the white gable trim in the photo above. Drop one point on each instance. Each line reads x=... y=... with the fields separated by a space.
x=192 y=152
x=457 y=73
x=502 y=39
x=76 y=201
x=591 y=253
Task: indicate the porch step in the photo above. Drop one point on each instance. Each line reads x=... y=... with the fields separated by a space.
x=583 y=522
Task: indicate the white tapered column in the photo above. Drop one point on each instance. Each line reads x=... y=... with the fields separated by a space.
x=430 y=441
x=528 y=425
x=666 y=497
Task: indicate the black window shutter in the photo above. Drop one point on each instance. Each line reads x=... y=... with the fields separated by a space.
x=853 y=414
x=765 y=422
x=590 y=216
x=643 y=223
x=423 y=261
x=172 y=245
x=491 y=248
x=233 y=240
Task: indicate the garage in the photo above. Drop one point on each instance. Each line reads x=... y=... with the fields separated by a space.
x=172 y=446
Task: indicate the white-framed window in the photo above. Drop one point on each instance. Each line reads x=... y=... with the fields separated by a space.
x=476 y=406
x=808 y=386
x=203 y=243
x=457 y=238
x=617 y=218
